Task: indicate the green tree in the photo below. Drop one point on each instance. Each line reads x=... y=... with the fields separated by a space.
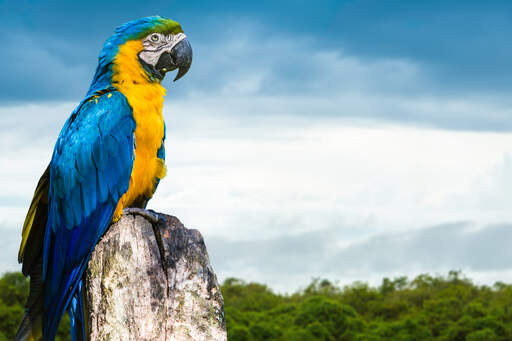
x=449 y=308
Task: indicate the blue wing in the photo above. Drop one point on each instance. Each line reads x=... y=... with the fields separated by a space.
x=89 y=172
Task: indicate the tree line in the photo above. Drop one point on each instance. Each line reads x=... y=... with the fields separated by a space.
x=427 y=307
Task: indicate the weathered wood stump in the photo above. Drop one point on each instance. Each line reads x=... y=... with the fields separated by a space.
x=152 y=282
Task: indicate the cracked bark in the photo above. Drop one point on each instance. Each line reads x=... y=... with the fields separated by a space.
x=152 y=282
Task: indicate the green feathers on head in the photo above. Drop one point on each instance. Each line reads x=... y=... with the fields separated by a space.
x=137 y=29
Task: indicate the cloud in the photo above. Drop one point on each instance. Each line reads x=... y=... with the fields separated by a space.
x=9 y=244
x=235 y=64
x=338 y=167
x=38 y=71
x=293 y=79
x=366 y=64
x=288 y=189
x=434 y=249
x=441 y=247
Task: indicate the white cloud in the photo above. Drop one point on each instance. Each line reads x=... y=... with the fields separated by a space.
x=280 y=178
x=258 y=159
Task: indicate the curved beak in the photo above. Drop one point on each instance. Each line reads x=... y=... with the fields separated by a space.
x=180 y=57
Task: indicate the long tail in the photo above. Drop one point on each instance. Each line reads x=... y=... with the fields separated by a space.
x=32 y=258
x=31 y=328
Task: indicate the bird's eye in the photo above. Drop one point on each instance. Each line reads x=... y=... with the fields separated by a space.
x=154 y=38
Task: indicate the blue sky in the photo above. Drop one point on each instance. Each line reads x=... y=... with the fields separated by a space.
x=462 y=46
x=312 y=135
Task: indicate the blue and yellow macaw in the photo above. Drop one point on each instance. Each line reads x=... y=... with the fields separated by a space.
x=109 y=156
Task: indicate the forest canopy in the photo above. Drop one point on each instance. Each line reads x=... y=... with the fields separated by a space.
x=425 y=308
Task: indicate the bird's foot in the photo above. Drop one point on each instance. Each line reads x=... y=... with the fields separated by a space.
x=149 y=215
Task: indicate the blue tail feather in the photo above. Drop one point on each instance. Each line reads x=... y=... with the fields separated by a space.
x=76 y=312
x=66 y=278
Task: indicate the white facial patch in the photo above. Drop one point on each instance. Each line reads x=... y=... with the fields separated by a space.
x=157 y=43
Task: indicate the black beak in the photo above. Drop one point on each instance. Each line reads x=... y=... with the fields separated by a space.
x=180 y=57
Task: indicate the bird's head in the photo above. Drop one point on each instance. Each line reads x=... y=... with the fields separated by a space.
x=148 y=47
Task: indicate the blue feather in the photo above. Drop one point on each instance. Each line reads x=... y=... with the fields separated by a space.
x=102 y=186
x=90 y=187
x=89 y=172
x=99 y=154
x=76 y=313
x=86 y=200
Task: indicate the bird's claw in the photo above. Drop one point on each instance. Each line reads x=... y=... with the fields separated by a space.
x=149 y=215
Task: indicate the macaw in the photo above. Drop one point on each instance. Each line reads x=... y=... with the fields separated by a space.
x=109 y=156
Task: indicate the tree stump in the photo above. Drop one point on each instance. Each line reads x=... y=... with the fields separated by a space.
x=152 y=281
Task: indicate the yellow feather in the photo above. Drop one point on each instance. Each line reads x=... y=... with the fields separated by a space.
x=41 y=193
x=146 y=99
x=36 y=334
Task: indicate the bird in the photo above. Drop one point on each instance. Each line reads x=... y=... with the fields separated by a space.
x=108 y=159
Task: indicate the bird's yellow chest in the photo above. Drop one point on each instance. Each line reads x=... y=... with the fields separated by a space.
x=146 y=100
x=149 y=134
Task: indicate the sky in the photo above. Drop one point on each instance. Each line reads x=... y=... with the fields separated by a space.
x=348 y=140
